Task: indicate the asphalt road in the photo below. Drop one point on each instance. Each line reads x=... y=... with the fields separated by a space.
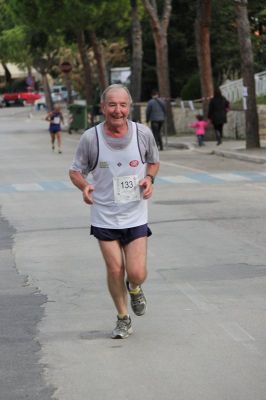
x=203 y=336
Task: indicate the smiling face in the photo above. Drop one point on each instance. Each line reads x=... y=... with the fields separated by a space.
x=116 y=107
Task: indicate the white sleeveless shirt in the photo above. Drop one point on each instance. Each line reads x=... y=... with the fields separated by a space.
x=117 y=198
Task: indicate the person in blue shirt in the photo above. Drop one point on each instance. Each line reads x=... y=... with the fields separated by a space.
x=156 y=113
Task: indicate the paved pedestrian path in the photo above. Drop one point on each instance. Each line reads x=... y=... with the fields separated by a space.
x=235 y=149
x=189 y=178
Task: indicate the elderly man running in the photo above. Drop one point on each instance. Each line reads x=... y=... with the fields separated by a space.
x=123 y=159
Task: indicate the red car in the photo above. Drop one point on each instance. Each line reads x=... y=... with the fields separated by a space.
x=20 y=98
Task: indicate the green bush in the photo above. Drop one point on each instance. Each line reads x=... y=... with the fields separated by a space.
x=261 y=100
x=191 y=90
x=16 y=85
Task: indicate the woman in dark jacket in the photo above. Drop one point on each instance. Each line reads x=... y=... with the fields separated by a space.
x=218 y=108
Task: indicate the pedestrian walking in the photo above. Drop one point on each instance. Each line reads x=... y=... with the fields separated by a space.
x=200 y=126
x=123 y=159
x=156 y=113
x=55 y=118
x=217 y=113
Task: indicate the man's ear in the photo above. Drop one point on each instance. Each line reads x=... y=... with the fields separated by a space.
x=102 y=107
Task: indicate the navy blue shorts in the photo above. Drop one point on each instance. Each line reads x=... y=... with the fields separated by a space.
x=54 y=128
x=124 y=236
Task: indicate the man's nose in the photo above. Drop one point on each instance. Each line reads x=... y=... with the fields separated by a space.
x=117 y=108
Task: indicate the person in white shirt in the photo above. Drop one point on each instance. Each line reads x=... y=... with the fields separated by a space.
x=123 y=160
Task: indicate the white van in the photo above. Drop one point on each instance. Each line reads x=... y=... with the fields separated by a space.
x=62 y=90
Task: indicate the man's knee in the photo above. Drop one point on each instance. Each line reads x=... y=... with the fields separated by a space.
x=137 y=277
x=115 y=270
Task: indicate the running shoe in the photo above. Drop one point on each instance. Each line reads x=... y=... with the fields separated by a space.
x=123 y=328
x=138 y=301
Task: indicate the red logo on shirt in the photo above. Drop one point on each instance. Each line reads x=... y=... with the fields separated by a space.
x=134 y=163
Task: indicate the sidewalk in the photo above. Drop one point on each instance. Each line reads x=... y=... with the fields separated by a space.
x=229 y=148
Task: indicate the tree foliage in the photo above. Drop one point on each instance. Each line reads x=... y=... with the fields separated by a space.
x=37 y=29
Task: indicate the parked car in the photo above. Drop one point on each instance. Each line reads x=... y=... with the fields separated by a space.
x=20 y=98
x=62 y=90
x=2 y=103
x=41 y=103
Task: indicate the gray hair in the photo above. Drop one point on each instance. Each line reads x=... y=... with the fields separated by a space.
x=115 y=86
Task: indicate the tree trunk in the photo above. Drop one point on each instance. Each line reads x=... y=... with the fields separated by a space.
x=202 y=33
x=246 y=53
x=86 y=66
x=68 y=82
x=8 y=76
x=100 y=59
x=159 y=31
x=137 y=53
x=42 y=66
x=47 y=91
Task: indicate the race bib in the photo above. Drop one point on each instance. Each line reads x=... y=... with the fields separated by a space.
x=56 y=120
x=126 y=188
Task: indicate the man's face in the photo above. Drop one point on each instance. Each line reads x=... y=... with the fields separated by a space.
x=116 y=108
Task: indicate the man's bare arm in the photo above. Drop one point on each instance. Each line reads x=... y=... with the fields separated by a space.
x=80 y=182
x=146 y=183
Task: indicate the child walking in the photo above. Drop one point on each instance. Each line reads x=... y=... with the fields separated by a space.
x=55 y=118
x=199 y=127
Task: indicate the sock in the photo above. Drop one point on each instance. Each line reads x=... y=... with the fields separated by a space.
x=134 y=291
x=121 y=316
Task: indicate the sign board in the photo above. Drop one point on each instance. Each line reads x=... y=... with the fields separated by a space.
x=120 y=75
x=245 y=91
x=30 y=81
x=66 y=67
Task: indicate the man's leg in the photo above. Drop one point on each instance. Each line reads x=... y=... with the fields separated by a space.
x=155 y=131
x=112 y=254
x=160 y=124
x=136 y=255
x=136 y=261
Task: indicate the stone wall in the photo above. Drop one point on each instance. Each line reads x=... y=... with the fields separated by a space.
x=233 y=129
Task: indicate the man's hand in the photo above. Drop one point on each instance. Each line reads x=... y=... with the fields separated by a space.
x=87 y=194
x=80 y=182
x=146 y=185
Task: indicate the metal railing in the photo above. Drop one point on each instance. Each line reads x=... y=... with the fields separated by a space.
x=233 y=91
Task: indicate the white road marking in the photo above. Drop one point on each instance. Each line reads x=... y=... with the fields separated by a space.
x=230 y=177
x=236 y=332
x=193 y=295
x=182 y=166
x=179 y=179
x=69 y=185
x=28 y=187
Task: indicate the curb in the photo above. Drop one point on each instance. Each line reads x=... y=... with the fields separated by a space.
x=222 y=153
x=239 y=156
x=182 y=146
